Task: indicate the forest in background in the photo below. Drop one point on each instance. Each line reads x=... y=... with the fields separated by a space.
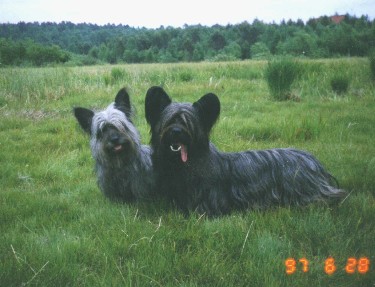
x=38 y=44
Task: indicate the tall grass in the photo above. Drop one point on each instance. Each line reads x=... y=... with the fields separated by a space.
x=372 y=64
x=57 y=229
x=280 y=75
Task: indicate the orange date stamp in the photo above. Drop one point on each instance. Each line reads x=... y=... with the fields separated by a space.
x=353 y=265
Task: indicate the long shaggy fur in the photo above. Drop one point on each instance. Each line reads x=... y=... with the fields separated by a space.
x=123 y=166
x=194 y=174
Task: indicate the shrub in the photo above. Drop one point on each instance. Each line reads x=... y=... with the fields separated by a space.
x=186 y=76
x=280 y=75
x=260 y=51
x=340 y=84
x=117 y=74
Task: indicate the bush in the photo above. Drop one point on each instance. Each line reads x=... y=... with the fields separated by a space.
x=28 y=52
x=280 y=75
x=260 y=51
x=115 y=76
x=186 y=76
x=340 y=84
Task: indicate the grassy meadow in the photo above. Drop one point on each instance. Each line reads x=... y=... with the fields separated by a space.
x=57 y=229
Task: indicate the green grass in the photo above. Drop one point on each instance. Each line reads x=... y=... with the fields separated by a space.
x=58 y=230
x=372 y=64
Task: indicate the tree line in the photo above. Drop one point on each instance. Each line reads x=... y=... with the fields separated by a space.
x=41 y=43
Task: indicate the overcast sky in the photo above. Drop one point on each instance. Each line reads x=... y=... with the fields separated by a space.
x=154 y=13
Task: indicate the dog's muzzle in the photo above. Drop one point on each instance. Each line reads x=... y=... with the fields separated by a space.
x=177 y=139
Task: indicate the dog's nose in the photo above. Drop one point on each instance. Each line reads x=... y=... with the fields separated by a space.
x=176 y=130
x=114 y=139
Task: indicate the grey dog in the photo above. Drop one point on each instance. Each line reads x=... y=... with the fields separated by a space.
x=123 y=166
x=196 y=176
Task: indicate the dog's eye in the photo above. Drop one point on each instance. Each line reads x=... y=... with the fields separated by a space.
x=105 y=129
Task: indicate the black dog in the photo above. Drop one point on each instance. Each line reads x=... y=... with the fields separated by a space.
x=193 y=173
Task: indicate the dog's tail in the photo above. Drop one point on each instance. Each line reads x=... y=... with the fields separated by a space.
x=328 y=185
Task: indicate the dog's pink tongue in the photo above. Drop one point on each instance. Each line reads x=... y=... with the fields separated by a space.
x=184 y=155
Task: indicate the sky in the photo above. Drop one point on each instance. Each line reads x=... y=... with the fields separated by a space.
x=156 y=13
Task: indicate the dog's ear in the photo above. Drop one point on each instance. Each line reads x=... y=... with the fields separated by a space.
x=122 y=102
x=208 y=108
x=156 y=101
x=84 y=118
